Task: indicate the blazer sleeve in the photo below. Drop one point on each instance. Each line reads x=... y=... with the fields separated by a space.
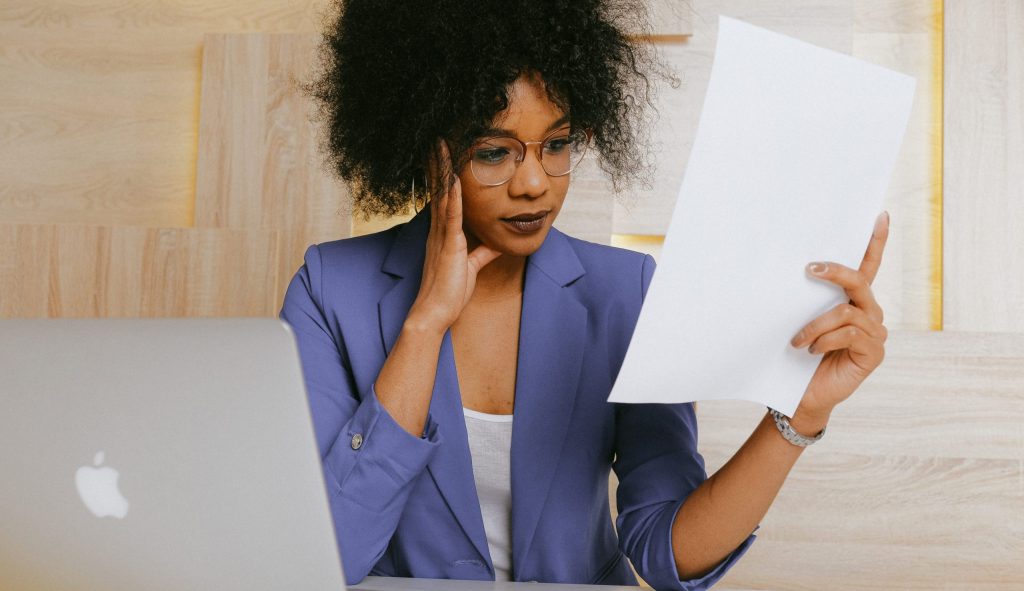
x=658 y=466
x=370 y=463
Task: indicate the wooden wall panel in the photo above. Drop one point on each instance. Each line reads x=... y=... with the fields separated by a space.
x=95 y=127
x=905 y=283
x=917 y=484
x=101 y=125
x=983 y=225
x=895 y=16
x=898 y=34
x=232 y=133
x=80 y=271
x=259 y=164
x=100 y=104
x=100 y=101
x=186 y=17
x=24 y=270
x=292 y=245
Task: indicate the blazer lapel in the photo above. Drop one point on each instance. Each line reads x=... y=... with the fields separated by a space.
x=451 y=467
x=552 y=338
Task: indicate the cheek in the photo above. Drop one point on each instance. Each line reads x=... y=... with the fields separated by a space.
x=478 y=213
x=470 y=195
x=474 y=220
x=559 y=189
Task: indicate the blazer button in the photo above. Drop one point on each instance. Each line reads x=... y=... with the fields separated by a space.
x=357 y=441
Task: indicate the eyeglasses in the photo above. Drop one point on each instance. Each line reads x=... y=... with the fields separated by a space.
x=494 y=160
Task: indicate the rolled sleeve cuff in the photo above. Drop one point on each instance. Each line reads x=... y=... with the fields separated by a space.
x=373 y=437
x=665 y=575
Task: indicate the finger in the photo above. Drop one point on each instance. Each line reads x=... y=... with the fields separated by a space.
x=481 y=256
x=855 y=285
x=428 y=176
x=873 y=255
x=435 y=166
x=444 y=166
x=841 y=315
x=436 y=238
x=436 y=216
x=434 y=192
x=453 y=213
x=868 y=351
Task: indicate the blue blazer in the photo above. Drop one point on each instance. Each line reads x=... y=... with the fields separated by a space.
x=406 y=506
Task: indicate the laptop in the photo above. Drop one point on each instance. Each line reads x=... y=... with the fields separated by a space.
x=159 y=454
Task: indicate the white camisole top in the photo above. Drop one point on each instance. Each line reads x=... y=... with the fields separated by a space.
x=490 y=444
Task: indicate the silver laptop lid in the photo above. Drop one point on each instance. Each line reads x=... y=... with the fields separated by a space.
x=159 y=454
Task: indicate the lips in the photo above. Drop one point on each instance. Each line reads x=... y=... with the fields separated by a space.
x=526 y=223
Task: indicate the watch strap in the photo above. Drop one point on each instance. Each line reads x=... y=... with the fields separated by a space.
x=790 y=434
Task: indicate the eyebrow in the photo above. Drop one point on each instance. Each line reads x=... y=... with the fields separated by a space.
x=493 y=131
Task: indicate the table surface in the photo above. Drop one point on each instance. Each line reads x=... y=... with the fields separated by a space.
x=408 y=584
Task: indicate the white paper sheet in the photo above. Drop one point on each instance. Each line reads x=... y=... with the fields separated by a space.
x=790 y=165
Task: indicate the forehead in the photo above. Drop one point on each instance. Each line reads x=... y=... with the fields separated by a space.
x=530 y=114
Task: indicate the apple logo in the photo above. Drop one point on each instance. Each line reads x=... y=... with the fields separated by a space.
x=98 y=489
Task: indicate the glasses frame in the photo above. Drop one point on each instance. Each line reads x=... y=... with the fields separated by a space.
x=526 y=147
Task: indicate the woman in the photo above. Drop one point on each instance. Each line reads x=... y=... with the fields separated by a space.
x=458 y=365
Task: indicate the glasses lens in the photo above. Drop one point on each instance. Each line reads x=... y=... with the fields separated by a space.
x=563 y=151
x=494 y=160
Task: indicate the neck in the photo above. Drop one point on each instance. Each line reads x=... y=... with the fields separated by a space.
x=499 y=279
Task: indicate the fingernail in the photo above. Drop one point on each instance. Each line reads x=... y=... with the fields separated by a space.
x=881 y=221
x=817 y=268
x=799 y=337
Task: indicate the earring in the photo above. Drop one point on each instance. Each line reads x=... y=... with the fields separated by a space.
x=412 y=194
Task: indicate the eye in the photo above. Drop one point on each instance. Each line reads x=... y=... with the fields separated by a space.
x=491 y=155
x=557 y=145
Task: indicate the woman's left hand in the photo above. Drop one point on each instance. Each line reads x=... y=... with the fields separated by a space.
x=851 y=335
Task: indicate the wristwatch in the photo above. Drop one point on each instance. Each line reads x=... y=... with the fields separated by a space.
x=790 y=435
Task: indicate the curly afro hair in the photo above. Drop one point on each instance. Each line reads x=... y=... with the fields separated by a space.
x=400 y=74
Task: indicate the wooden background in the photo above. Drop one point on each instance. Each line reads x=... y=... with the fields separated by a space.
x=918 y=483
x=157 y=160
x=168 y=115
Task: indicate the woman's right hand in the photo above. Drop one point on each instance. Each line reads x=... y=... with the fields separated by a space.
x=449 y=269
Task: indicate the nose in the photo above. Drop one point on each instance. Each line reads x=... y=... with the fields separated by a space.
x=529 y=180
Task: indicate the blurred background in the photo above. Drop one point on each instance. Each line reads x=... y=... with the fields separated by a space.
x=158 y=159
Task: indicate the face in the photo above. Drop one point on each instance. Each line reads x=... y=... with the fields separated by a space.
x=530 y=117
